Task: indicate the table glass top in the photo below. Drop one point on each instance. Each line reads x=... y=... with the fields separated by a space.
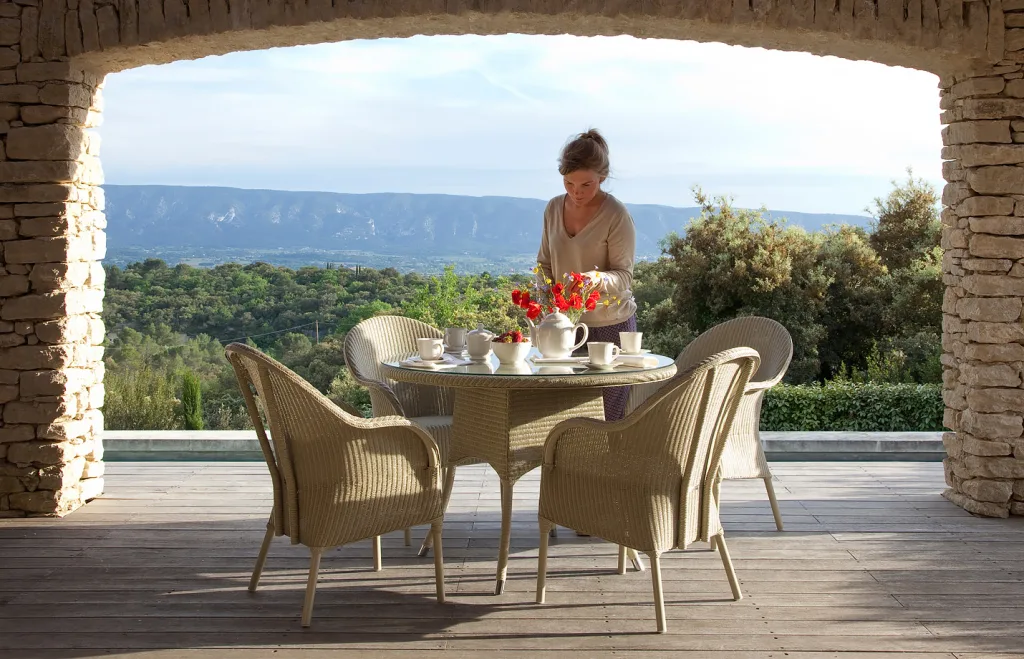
x=529 y=367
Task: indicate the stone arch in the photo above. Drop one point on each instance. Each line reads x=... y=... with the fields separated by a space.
x=55 y=53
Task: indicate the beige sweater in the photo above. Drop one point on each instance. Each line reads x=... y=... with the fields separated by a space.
x=606 y=244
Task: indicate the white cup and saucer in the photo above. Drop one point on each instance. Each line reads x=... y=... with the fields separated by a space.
x=455 y=340
x=602 y=354
x=631 y=342
x=430 y=350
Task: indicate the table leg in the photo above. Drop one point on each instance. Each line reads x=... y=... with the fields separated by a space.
x=506 y=536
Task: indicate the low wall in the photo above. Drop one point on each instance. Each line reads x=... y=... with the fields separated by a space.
x=125 y=445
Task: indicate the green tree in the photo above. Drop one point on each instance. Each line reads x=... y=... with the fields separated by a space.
x=906 y=225
x=191 y=401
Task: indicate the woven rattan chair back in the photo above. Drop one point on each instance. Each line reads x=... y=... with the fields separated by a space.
x=387 y=337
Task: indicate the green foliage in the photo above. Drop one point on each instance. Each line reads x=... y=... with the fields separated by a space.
x=139 y=399
x=906 y=225
x=852 y=406
x=345 y=389
x=191 y=401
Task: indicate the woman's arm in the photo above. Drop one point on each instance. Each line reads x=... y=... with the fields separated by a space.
x=617 y=280
x=544 y=253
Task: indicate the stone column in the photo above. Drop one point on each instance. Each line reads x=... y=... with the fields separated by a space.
x=51 y=279
x=983 y=268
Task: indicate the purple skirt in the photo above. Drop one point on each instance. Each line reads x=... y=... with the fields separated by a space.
x=614 y=397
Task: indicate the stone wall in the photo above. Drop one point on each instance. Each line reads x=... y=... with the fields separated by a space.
x=983 y=235
x=51 y=283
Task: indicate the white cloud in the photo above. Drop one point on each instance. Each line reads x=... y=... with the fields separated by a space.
x=487 y=115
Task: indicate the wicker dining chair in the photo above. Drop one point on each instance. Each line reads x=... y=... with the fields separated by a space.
x=337 y=478
x=386 y=337
x=648 y=482
x=744 y=455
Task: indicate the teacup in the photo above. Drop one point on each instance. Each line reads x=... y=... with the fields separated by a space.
x=631 y=342
x=455 y=338
x=602 y=352
x=430 y=348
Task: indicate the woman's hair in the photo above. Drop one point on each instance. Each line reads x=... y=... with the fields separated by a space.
x=586 y=151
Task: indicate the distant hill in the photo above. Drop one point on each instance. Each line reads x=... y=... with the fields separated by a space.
x=157 y=220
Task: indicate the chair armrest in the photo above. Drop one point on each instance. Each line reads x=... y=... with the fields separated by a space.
x=586 y=430
x=383 y=397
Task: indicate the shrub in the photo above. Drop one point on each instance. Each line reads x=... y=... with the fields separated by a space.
x=139 y=399
x=191 y=401
x=851 y=406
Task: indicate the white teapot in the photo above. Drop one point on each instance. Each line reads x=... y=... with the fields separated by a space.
x=478 y=342
x=554 y=336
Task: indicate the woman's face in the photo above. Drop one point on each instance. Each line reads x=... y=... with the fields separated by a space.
x=582 y=186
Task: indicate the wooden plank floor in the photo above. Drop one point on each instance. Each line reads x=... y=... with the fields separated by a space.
x=873 y=563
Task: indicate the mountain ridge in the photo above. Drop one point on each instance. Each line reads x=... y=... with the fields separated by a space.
x=157 y=218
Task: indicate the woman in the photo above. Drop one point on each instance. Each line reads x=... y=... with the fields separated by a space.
x=587 y=229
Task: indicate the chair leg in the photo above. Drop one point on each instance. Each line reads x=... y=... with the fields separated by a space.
x=729 y=572
x=377 y=564
x=314 y=569
x=261 y=559
x=772 y=500
x=435 y=531
x=542 y=559
x=634 y=557
x=446 y=495
x=711 y=542
x=506 y=536
x=622 y=559
x=659 y=595
x=408 y=537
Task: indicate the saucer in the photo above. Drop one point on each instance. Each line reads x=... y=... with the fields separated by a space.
x=643 y=351
x=479 y=360
x=601 y=367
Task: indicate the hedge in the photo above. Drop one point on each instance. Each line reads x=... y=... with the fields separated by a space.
x=848 y=406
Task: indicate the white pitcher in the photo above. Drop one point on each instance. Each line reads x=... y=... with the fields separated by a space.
x=553 y=337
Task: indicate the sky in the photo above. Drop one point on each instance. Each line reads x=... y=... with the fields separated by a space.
x=488 y=116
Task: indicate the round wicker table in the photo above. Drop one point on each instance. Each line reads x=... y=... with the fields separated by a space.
x=503 y=414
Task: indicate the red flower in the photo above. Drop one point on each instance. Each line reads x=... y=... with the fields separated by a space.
x=575 y=301
x=591 y=303
x=557 y=289
x=533 y=310
x=517 y=297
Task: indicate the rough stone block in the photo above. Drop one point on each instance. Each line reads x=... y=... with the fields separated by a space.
x=993 y=285
x=94 y=469
x=982 y=332
x=40 y=453
x=48 y=114
x=977 y=155
x=8 y=230
x=990 y=375
x=11 y=434
x=10 y=485
x=48 y=71
x=981 y=206
x=8 y=392
x=40 y=412
x=38 y=193
x=954 y=445
x=29 y=358
x=58 y=477
x=997 y=247
x=977 y=466
x=47 y=501
x=992 y=108
x=55 y=305
x=976 y=507
x=12 y=285
x=47 y=227
x=55 y=383
x=999 y=179
x=91 y=488
x=984 y=447
x=992 y=426
x=1016 y=508
x=992 y=309
x=998 y=225
x=983 y=489
x=65 y=430
x=48 y=142
x=993 y=400
x=40 y=171
x=74 y=248
x=62 y=276
x=969 y=132
x=69 y=329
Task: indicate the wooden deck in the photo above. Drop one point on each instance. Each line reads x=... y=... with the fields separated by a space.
x=873 y=563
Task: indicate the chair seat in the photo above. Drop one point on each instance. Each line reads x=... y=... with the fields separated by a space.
x=440 y=428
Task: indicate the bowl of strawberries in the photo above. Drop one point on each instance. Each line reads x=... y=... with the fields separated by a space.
x=511 y=347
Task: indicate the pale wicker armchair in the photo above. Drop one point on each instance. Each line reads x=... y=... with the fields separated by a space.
x=337 y=478
x=744 y=456
x=648 y=482
x=386 y=337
